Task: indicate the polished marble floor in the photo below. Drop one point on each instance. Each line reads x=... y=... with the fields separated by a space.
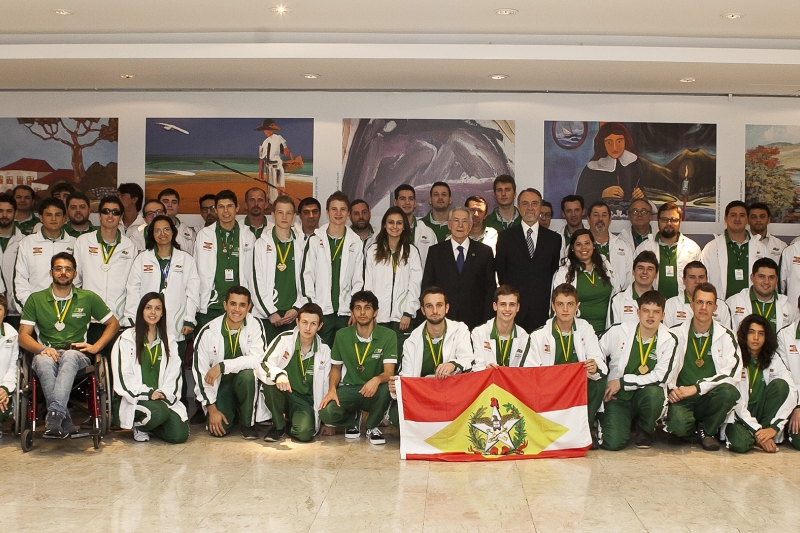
x=333 y=486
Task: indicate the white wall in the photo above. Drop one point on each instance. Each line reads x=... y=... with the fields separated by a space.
x=529 y=111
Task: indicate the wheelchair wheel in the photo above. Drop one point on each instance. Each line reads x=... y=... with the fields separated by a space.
x=104 y=394
x=18 y=413
x=26 y=440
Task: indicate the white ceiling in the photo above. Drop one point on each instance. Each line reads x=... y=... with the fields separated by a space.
x=626 y=46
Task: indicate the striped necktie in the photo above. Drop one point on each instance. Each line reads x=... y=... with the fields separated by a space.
x=529 y=239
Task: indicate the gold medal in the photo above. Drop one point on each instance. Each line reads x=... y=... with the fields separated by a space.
x=281 y=266
x=360 y=369
x=644 y=369
x=699 y=363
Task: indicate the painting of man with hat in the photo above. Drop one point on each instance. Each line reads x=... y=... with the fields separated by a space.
x=269 y=156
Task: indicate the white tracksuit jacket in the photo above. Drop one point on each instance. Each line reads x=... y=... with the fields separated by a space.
x=484 y=347
x=789 y=350
x=398 y=293
x=32 y=270
x=182 y=293
x=109 y=285
x=317 y=270
x=621 y=258
x=423 y=237
x=7 y=266
x=128 y=377
x=790 y=271
x=457 y=349
x=206 y=259
x=9 y=354
x=687 y=251
x=715 y=259
x=678 y=310
x=627 y=236
x=209 y=350
x=623 y=308
x=740 y=306
x=774 y=246
x=724 y=352
x=617 y=343
x=280 y=353
x=265 y=258
x=542 y=347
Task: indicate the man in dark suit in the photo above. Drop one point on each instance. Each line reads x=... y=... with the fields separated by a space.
x=526 y=258
x=464 y=270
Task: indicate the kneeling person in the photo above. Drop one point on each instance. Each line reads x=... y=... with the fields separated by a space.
x=363 y=359
x=566 y=339
x=641 y=355
x=295 y=375
x=226 y=352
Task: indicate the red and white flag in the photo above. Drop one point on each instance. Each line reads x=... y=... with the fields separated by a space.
x=495 y=414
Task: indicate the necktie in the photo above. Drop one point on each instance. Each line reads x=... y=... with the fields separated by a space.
x=460 y=259
x=531 y=247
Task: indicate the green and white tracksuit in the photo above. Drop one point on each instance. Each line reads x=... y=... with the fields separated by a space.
x=775 y=247
x=681 y=254
x=309 y=379
x=716 y=380
x=642 y=395
x=770 y=403
x=623 y=308
x=789 y=352
x=9 y=354
x=32 y=269
x=134 y=383
x=7 y=266
x=678 y=310
x=547 y=349
x=489 y=348
x=236 y=391
x=779 y=312
x=617 y=252
x=212 y=274
x=790 y=271
x=442 y=231
x=423 y=238
x=715 y=258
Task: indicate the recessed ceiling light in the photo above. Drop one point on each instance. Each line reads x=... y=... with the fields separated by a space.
x=311 y=76
x=506 y=11
x=499 y=76
x=732 y=16
x=127 y=76
x=63 y=12
x=281 y=10
x=687 y=80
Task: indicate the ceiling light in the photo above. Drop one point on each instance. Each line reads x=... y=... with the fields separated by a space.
x=126 y=76
x=311 y=76
x=281 y=10
x=506 y=11
x=63 y=12
x=499 y=76
x=687 y=80
x=732 y=16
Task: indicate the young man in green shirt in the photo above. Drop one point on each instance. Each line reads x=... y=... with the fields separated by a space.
x=505 y=214
x=436 y=219
x=25 y=219
x=61 y=315
x=363 y=359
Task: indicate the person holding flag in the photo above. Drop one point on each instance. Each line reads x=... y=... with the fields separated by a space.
x=762 y=298
x=500 y=342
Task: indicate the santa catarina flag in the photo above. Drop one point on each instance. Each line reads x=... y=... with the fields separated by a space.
x=505 y=413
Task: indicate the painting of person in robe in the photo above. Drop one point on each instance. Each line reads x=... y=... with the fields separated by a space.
x=381 y=154
x=658 y=162
x=195 y=156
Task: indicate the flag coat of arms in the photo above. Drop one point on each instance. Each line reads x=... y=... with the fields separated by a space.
x=495 y=414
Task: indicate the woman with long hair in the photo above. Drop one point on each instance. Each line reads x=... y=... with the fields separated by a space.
x=587 y=270
x=147 y=376
x=393 y=272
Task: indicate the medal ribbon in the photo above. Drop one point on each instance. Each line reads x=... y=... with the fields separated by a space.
x=643 y=355
x=61 y=315
x=566 y=351
x=165 y=270
x=153 y=354
x=760 y=308
x=592 y=278
x=106 y=251
x=282 y=258
x=359 y=358
x=702 y=352
x=233 y=345
x=338 y=249
x=433 y=353
x=503 y=349
x=753 y=381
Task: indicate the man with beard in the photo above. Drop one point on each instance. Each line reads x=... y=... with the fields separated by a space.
x=255 y=201
x=674 y=250
x=308 y=210
x=436 y=219
x=360 y=216
x=758 y=217
x=572 y=209
x=186 y=234
x=25 y=218
x=78 y=214
x=10 y=237
x=610 y=246
x=208 y=209
x=61 y=314
x=423 y=237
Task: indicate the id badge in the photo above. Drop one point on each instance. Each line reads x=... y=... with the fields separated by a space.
x=229 y=274
x=669 y=271
x=738 y=274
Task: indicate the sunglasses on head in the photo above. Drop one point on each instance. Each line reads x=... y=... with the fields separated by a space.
x=109 y=211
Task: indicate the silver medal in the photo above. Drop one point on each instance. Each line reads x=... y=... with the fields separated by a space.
x=105 y=267
x=60 y=326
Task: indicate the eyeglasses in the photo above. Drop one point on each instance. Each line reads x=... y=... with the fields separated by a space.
x=637 y=212
x=207 y=209
x=669 y=220
x=545 y=215
x=108 y=211
x=154 y=213
x=162 y=231
x=68 y=270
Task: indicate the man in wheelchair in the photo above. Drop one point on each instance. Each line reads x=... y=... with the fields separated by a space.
x=60 y=315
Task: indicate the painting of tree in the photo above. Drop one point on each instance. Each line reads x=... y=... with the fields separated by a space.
x=767 y=180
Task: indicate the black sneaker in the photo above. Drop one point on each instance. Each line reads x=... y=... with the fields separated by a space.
x=354 y=432
x=643 y=440
x=595 y=443
x=274 y=435
x=374 y=436
x=68 y=427
x=52 y=427
x=709 y=443
x=249 y=433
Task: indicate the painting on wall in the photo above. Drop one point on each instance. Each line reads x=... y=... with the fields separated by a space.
x=772 y=170
x=45 y=152
x=620 y=161
x=198 y=156
x=380 y=154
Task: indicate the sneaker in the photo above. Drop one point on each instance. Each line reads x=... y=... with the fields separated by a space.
x=68 y=427
x=354 y=432
x=374 y=436
x=249 y=433
x=274 y=435
x=595 y=443
x=140 y=436
x=708 y=442
x=642 y=440
x=52 y=427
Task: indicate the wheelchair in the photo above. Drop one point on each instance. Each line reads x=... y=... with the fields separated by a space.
x=91 y=394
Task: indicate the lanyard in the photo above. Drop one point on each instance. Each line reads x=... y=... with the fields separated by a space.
x=361 y=359
x=282 y=257
x=702 y=352
x=592 y=278
x=338 y=248
x=642 y=354
x=436 y=362
x=760 y=308
x=153 y=354
x=502 y=349
x=165 y=270
x=302 y=366
x=753 y=381
x=566 y=351
x=62 y=314
x=669 y=253
x=739 y=250
x=233 y=345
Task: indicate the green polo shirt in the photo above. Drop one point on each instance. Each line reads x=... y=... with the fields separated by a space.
x=594 y=298
x=441 y=230
x=300 y=366
x=691 y=374
x=77 y=233
x=151 y=368
x=256 y=231
x=337 y=248
x=494 y=220
x=40 y=310
x=738 y=259
x=639 y=239
x=757 y=385
x=667 y=257
x=382 y=348
x=227 y=259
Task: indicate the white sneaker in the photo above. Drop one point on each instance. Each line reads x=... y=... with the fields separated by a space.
x=374 y=436
x=140 y=436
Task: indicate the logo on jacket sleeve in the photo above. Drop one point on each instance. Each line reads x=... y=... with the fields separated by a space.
x=487 y=345
x=208 y=245
x=739 y=310
x=546 y=348
x=793 y=348
x=148 y=268
x=796 y=260
x=627 y=309
x=37 y=251
x=93 y=250
x=681 y=315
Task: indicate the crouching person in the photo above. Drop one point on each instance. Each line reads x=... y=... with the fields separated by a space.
x=641 y=356
x=295 y=375
x=147 y=376
x=768 y=394
x=567 y=339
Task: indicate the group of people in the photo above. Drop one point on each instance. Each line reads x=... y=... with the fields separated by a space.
x=310 y=326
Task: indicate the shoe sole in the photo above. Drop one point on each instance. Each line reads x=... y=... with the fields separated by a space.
x=273 y=439
x=249 y=437
x=382 y=441
x=643 y=446
x=352 y=435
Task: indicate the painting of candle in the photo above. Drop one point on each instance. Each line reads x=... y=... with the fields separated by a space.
x=772 y=170
x=617 y=162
